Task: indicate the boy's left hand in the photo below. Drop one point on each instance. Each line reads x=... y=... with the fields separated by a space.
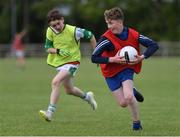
x=63 y=52
x=139 y=58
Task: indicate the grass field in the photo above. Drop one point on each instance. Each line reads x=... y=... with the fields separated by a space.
x=24 y=93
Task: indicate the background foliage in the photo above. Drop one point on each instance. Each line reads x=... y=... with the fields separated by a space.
x=159 y=19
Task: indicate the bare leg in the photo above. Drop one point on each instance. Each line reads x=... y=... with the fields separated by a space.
x=56 y=82
x=21 y=62
x=72 y=90
x=132 y=103
x=124 y=96
x=134 y=109
x=119 y=97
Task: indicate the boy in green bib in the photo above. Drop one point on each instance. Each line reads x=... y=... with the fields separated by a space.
x=63 y=47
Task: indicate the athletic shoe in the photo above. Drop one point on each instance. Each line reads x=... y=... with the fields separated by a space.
x=90 y=99
x=139 y=97
x=46 y=115
x=137 y=125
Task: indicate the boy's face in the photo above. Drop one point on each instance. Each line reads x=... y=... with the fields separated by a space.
x=58 y=24
x=116 y=26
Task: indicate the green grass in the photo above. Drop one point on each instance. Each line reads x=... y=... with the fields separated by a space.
x=24 y=93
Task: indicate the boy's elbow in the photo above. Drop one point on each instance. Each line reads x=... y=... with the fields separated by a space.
x=93 y=60
x=156 y=47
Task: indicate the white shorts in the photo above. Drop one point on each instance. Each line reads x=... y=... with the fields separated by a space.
x=19 y=53
x=71 y=68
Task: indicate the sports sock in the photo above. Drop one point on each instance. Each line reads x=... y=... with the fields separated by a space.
x=51 y=108
x=84 y=96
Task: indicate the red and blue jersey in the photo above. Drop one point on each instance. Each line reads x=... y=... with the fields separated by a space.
x=110 y=44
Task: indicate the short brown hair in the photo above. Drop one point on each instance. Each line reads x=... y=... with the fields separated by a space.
x=114 y=14
x=54 y=14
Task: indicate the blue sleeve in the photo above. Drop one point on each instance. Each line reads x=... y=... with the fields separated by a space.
x=102 y=45
x=151 y=45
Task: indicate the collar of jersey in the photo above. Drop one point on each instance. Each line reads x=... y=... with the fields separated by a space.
x=57 y=32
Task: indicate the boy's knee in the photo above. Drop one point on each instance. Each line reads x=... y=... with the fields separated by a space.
x=129 y=99
x=55 y=83
x=123 y=104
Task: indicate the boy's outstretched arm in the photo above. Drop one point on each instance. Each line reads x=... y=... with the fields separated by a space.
x=93 y=42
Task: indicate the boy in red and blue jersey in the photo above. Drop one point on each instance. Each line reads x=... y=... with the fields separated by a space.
x=117 y=71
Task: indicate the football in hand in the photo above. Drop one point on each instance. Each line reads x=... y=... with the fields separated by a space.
x=129 y=53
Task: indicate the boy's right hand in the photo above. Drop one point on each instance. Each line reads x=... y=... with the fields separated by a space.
x=64 y=53
x=117 y=59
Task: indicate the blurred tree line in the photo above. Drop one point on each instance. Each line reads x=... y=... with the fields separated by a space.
x=159 y=19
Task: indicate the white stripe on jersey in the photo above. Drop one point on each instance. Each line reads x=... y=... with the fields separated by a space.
x=144 y=37
x=100 y=45
x=79 y=33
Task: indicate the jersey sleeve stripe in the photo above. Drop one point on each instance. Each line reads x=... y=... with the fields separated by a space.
x=100 y=45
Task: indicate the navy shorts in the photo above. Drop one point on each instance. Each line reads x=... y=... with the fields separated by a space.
x=115 y=82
